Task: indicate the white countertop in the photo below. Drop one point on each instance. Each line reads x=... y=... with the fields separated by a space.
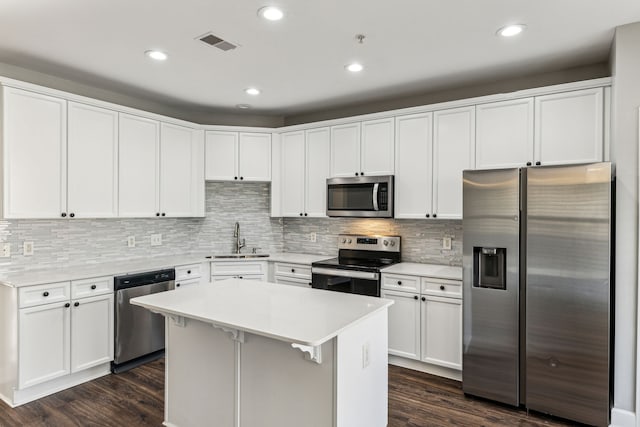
x=293 y=314
x=119 y=268
x=425 y=270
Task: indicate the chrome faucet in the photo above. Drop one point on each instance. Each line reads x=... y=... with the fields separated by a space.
x=236 y=234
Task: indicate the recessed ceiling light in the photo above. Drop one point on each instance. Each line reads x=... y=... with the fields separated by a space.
x=354 y=67
x=157 y=55
x=511 y=30
x=243 y=106
x=252 y=91
x=270 y=13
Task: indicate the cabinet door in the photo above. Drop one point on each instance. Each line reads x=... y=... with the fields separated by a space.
x=413 y=175
x=345 y=150
x=91 y=332
x=453 y=152
x=221 y=156
x=43 y=343
x=504 y=134
x=292 y=173
x=92 y=162
x=377 y=147
x=138 y=167
x=181 y=171
x=254 y=157
x=404 y=324
x=442 y=331
x=317 y=171
x=34 y=130
x=569 y=127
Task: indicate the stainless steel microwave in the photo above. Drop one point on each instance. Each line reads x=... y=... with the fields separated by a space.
x=362 y=196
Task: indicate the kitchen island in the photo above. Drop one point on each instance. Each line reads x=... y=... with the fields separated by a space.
x=244 y=353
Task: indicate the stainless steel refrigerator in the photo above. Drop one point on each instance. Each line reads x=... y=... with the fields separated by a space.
x=537 y=288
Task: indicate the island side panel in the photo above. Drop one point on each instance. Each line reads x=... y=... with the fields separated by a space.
x=200 y=375
x=362 y=373
x=8 y=343
x=280 y=388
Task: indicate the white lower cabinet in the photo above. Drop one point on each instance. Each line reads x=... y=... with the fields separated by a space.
x=91 y=332
x=292 y=274
x=425 y=325
x=189 y=275
x=250 y=270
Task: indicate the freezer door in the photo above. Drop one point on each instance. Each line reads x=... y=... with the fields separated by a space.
x=568 y=291
x=491 y=252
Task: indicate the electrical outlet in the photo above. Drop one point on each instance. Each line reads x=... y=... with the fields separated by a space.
x=446 y=243
x=313 y=237
x=131 y=241
x=365 y=355
x=27 y=248
x=156 y=239
x=5 y=250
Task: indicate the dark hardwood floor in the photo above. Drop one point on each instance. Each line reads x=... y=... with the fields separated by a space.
x=136 y=398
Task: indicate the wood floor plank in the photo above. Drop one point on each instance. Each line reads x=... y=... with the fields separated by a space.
x=136 y=398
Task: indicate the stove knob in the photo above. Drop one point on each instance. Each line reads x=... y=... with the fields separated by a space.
x=344 y=240
x=393 y=243
x=385 y=242
x=349 y=241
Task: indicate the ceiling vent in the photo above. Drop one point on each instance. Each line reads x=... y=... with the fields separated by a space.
x=215 y=41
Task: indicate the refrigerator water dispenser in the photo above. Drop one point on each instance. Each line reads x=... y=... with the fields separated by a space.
x=489 y=268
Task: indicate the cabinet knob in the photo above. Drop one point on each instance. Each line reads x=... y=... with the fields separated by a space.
x=240 y=277
x=157 y=213
x=72 y=214
x=361 y=173
x=93 y=286
x=300 y=213
x=538 y=163
x=235 y=177
x=427 y=215
x=242 y=177
x=75 y=304
x=188 y=271
x=415 y=297
x=423 y=299
x=45 y=294
x=434 y=215
x=164 y=214
x=400 y=282
x=305 y=214
x=442 y=287
x=528 y=163
x=63 y=214
x=293 y=270
x=357 y=174
x=177 y=285
x=67 y=305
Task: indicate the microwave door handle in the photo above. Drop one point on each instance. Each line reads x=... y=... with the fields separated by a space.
x=375 y=196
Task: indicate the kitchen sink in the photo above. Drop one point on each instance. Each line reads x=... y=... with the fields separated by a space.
x=237 y=256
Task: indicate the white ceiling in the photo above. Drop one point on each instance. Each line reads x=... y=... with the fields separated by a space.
x=410 y=46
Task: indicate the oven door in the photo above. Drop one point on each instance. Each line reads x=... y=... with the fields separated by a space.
x=348 y=281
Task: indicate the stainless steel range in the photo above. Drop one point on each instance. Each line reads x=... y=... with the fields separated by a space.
x=356 y=270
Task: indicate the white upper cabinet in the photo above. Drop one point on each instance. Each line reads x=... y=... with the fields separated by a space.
x=345 y=150
x=413 y=177
x=365 y=148
x=254 y=157
x=181 y=171
x=569 y=127
x=34 y=133
x=453 y=152
x=92 y=162
x=293 y=171
x=377 y=147
x=233 y=156
x=221 y=150
x=504 y=134
x=317 y=171
x=305 y=160
x=139 y=163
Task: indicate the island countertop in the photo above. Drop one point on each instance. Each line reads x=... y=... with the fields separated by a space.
x=293 y=314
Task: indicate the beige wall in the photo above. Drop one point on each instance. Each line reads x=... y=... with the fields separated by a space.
x=480 y=88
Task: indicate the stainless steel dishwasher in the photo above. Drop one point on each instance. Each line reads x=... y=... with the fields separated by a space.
x=139 y=333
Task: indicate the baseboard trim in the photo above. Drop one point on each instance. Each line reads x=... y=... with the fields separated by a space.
x=426 y=367
x=622 y=418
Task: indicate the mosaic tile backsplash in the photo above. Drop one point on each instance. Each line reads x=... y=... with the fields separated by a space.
x=68 y=242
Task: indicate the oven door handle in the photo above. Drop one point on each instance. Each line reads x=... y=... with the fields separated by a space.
x=375 y=196
x=345 y=273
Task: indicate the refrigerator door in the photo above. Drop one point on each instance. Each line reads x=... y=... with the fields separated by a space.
x=568 y=291
x=491 y=224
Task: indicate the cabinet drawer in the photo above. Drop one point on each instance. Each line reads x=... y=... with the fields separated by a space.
x=442 y=287
x=293 y=270
x=30 y=296
x=91 y=287
x=401 y=282
x=236 y=268
x=181 y=284
x=191 y=271
x=284 y=280
x=219 y=277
